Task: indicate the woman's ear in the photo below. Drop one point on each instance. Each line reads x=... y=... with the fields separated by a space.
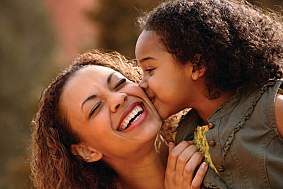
x=86 y=152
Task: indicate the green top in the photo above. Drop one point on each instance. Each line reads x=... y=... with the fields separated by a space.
x=244 y=144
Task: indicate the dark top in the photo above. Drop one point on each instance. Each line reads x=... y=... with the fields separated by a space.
x=244 y=142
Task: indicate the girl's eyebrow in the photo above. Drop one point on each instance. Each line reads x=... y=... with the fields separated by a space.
x=146 y=59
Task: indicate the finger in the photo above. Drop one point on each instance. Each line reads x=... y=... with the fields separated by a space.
x=190 y=168
x=201 y=172
x=183 y=158
x=169 y=181
x=183 y=153
x=173 y=155
x=171 y=146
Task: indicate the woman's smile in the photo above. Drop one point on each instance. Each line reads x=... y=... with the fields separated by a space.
x=133 y=116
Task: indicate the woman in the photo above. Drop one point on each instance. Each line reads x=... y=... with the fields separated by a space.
x=96 y=129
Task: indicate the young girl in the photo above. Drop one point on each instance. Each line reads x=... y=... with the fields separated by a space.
x=223 y=59
x=95 y=128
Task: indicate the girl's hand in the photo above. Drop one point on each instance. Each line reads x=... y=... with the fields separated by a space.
x=183 y=161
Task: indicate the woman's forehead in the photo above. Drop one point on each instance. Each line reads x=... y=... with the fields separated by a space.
x=100 y=70
x=93 y=75
x=87 y=81
x=95 y=72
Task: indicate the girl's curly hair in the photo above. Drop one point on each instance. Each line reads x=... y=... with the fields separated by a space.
x=238 y=44
x=53 y=165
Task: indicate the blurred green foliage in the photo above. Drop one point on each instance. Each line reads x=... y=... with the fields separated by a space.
x=25 y=50
x=117 y=21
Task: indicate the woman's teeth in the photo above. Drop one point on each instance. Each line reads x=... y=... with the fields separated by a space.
x=132 y=116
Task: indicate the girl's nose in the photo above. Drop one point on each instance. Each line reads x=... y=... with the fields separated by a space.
x=143 y=83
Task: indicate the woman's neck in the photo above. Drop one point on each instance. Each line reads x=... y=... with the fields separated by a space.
x=142 y=172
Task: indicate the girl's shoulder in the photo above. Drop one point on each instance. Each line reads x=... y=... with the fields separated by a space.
x=279 y=110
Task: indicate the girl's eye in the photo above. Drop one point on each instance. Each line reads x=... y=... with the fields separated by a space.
x=121 y=83
x=149 y=71
x=94 y=109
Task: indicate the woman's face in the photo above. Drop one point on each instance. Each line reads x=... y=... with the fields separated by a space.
x=108 y=112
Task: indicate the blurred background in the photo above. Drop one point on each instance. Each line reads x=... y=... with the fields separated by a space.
x=37 y=38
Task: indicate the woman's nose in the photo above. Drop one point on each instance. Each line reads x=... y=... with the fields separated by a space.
x=117 y=100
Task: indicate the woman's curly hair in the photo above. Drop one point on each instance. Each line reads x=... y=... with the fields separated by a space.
x=53 y=165
x=238 y=44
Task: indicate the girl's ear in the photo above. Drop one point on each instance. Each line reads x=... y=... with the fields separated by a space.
x=198 y=69
x=87 y=153
x=198 y=72
x=194 y=68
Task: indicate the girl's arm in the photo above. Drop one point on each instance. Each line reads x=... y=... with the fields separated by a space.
x=279 y=113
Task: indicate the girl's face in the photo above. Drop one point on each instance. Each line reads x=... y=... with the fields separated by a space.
x=108 y=112
x=166 y=81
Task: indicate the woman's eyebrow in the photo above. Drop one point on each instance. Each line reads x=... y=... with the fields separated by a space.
x=87 y=99
x=109 y=79
x=94 y=96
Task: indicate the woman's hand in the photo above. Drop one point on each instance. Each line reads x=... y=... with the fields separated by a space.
x=183 y=161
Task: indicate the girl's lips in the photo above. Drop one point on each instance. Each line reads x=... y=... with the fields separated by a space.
x=128 y=111
x=149 y=94
x=151 y=99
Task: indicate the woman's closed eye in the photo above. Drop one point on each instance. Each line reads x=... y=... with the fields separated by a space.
x=95 y=109
x=121 y=83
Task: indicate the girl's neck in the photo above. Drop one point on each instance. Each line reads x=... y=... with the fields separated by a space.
x=142 y=172
x=206 y=107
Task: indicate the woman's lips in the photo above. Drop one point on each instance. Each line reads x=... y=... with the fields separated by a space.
x=132 y=117
x=136 y=122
